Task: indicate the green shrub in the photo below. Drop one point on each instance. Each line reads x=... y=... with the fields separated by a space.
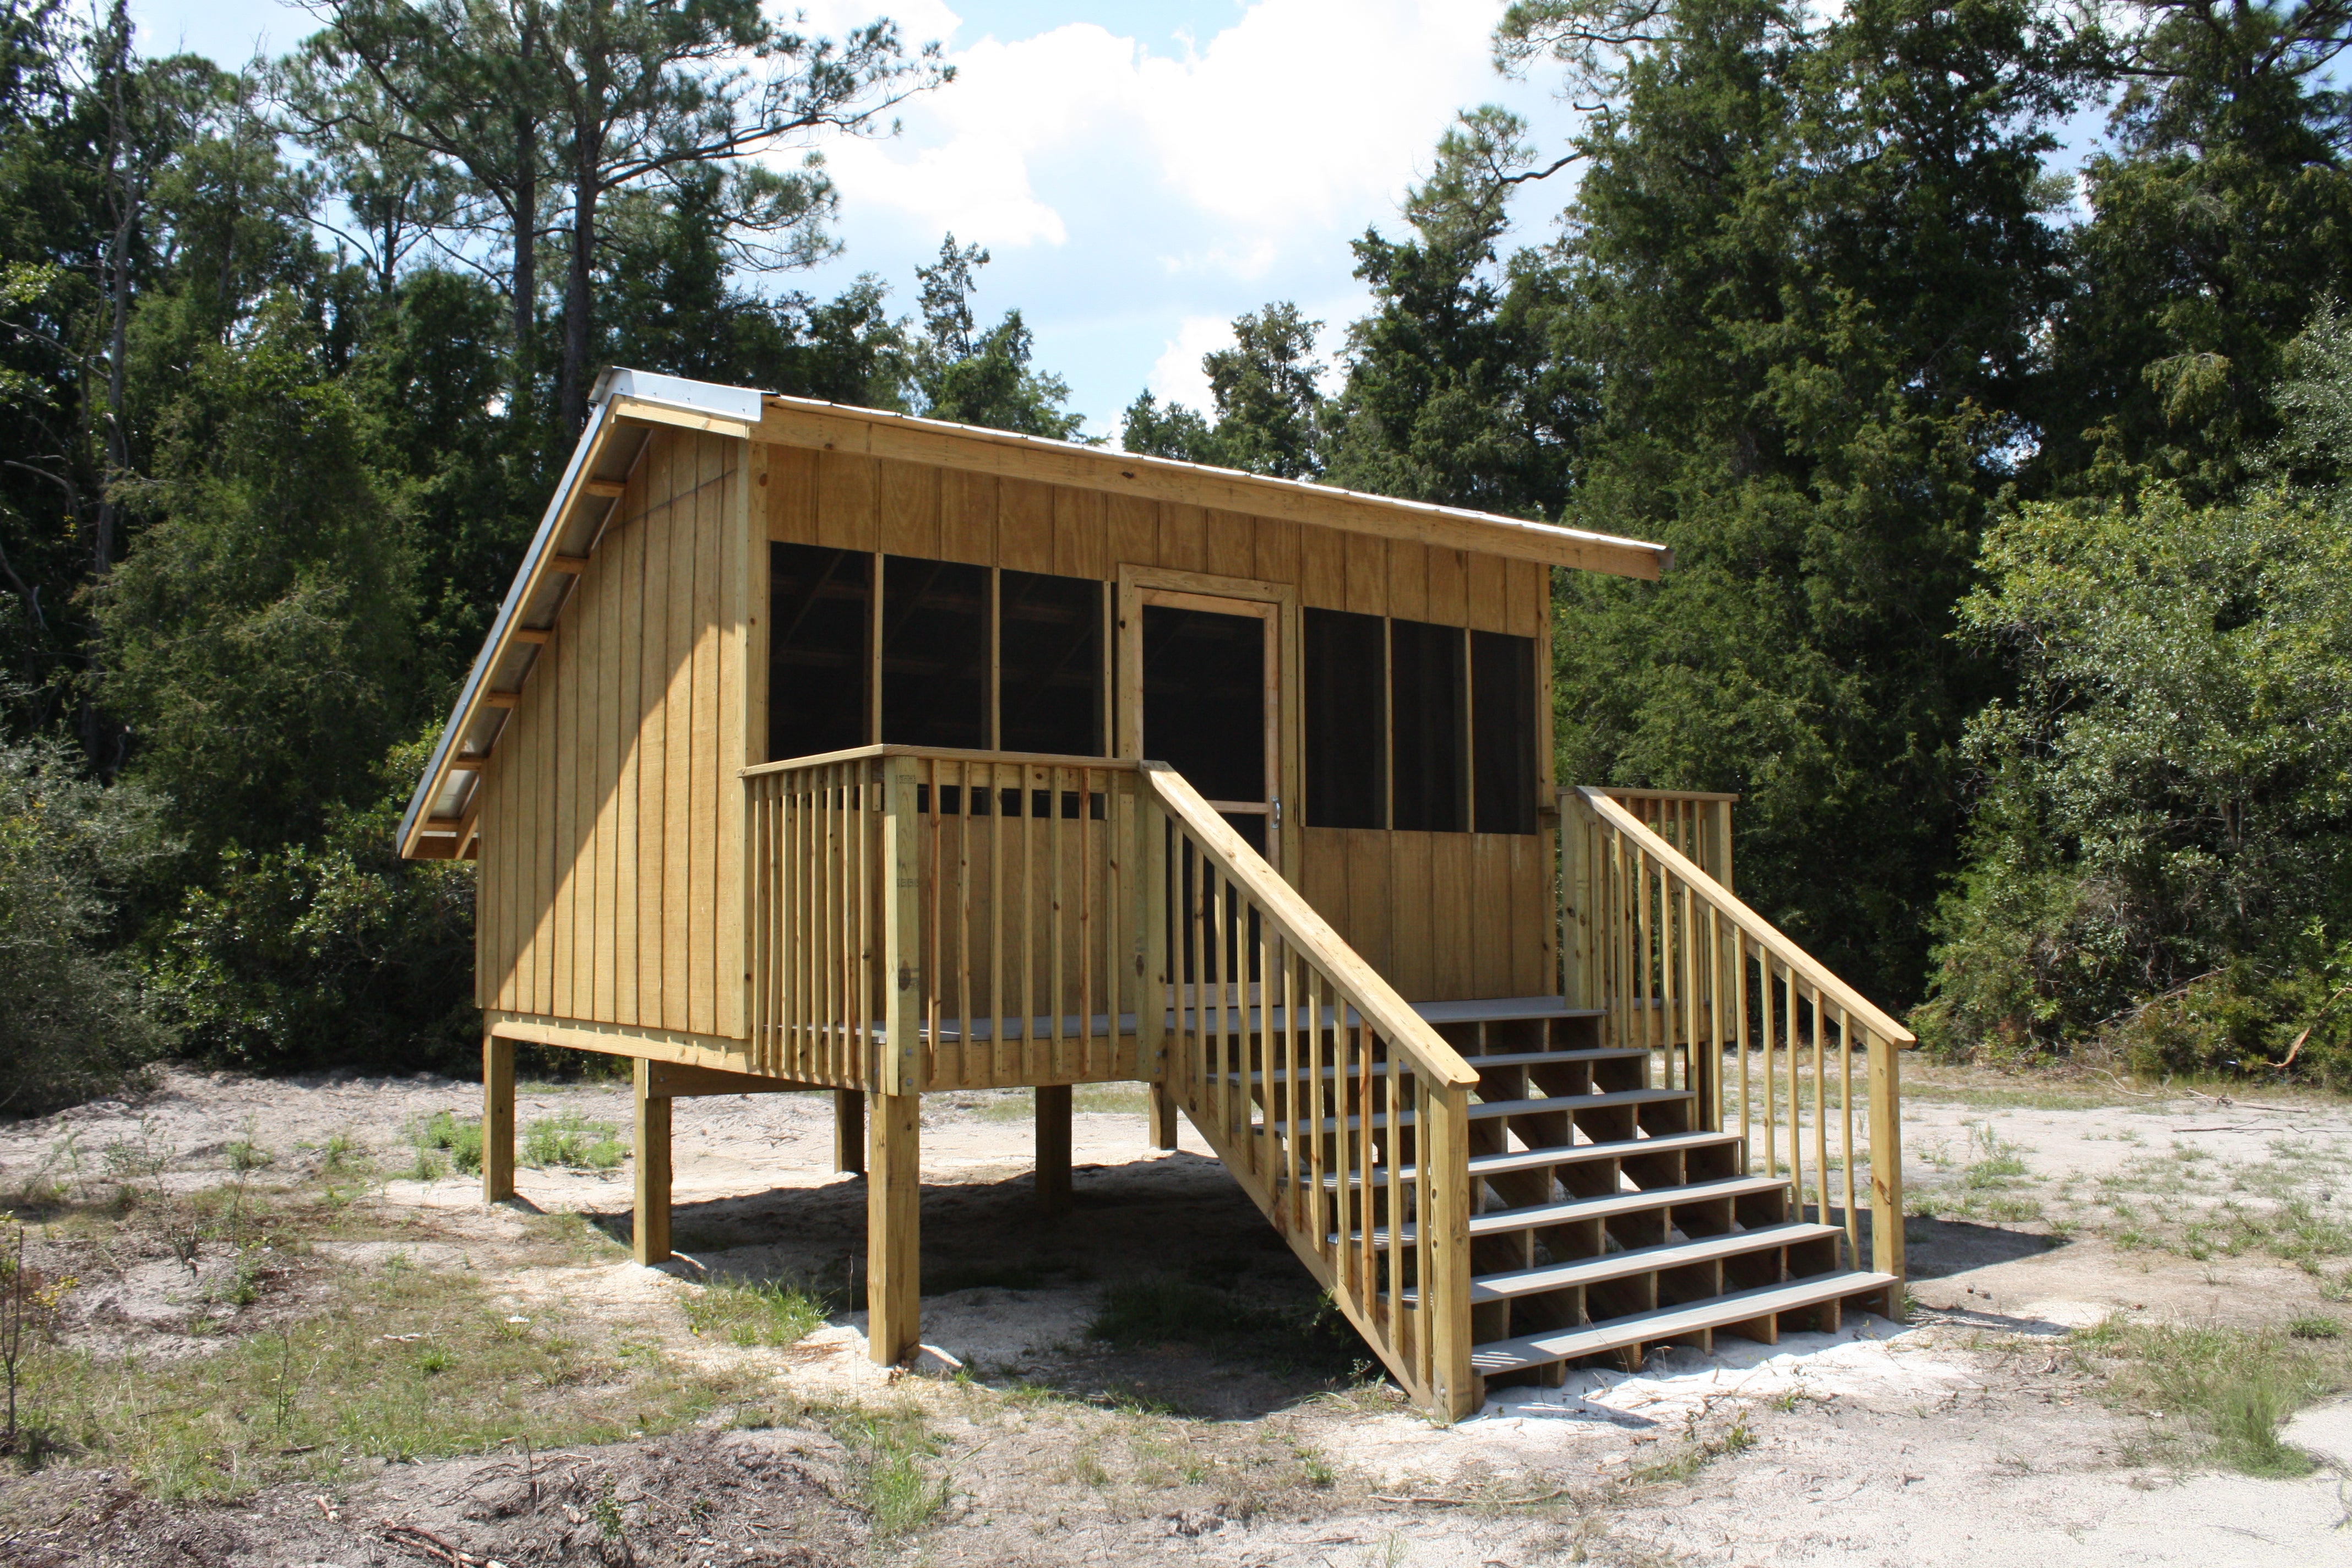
x=76 y=1021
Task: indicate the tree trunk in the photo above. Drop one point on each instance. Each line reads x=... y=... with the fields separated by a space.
x=526 y=224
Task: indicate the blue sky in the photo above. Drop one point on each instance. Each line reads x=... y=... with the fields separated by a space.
x=1140 y=172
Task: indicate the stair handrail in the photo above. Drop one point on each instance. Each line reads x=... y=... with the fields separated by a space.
x=1763 y=933
x=1388 y=1013
x=1351 y=1133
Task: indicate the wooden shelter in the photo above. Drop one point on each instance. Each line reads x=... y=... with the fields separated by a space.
x=818 y=747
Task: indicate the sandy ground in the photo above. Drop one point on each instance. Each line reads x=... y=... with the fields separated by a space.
x=1962 y=1437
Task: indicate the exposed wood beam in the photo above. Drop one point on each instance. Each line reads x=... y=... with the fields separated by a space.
x=501 y=699
x=612 y=488
x=534 y=636
x=572 y=565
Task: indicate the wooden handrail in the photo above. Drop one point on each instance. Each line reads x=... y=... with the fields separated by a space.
x=1758 y=930
x=1390 y=1015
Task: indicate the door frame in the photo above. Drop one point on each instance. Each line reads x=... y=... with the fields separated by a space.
x=1275 y=601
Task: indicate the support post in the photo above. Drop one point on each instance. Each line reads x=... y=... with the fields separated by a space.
x=1163 y=1117
x=1445 y=1182
x=498 y=1119
x=651 y=1218
x=894 y=1249
x=1053 y=1147
x=1720 y=867
x=849 y=1130
x=1886 y=1169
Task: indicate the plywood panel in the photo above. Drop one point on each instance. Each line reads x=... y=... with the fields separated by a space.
x=628 y=655
x=1368 y=575
x=1525 y=585
x=1082 y=533
x=538 y=699
x=653 y=773
x=792 y=493
x=678 y=717
x=1322 y=568
x=563 y=681
x=1448 y=587
x=1025 y=525
x=1233 y=544
x=1276 y=543
x=1134 y=532
x=1408 y=580
x=845 y=500
x=1450 y=938
x=968 y=518
x=1489 y=950
x=702 y=818
x=910 y=508
x=1489 y=607
x=1413 y=934
x=580 y=772
x=1183 y=537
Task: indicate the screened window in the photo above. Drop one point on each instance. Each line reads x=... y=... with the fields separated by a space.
x=1050 y=651
x=1503 y=730
x=1428 y=752
x=1347 y=709
x=934 y=653
x=819 y=656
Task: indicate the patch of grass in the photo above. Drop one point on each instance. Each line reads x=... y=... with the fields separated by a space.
x=1694 y=1455
x=570 y=1140
x=2217 y=1395
x=887 y=1449
x=2315 y=1327
x=461 y=1140
x=749 y=1313
x=343 y=1156
x=408 y=1363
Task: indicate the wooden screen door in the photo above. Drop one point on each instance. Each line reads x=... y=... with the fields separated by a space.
x=1210 y=703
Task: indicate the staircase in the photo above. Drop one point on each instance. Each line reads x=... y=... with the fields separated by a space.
x=1604 y=1215
x=1493 y=1190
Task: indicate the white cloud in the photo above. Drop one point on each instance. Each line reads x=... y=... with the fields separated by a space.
x=1176 y=375
x=1302 y=115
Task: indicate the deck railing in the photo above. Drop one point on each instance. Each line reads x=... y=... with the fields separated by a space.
x=1736 y=1011
x=924 y=919
x=1334 y=1103
x=1697 y=822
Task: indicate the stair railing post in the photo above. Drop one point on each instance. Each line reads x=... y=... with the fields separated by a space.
x=1576 y=988
x=1151 y=965
x=1886 y=1166
x=1445 y=1180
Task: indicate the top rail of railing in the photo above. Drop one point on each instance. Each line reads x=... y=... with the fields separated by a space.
x=941 y=753
x=1760 y=930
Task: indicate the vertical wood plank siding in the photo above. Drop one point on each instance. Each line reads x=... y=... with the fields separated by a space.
x=612 y=864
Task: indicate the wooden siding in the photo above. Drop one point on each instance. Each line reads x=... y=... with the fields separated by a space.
x=611 y=869
x=1405 y=900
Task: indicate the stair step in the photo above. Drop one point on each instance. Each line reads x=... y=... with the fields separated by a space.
x=1502 y=1222
x=1529 y=1059
x=1502 y=1287
x=1545 y=1104
x=1670 y=1323
x=1503 y=1010
x=1513 y=1059
x=1484 y=1165
x=1486 y=1111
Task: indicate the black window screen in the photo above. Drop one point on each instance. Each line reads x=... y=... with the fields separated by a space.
x=1050 y=655
x=934 y=653
x=818 y=624
x=1428 y=748
x=1503 y=730
x=1346 y=702
x=1205 y=698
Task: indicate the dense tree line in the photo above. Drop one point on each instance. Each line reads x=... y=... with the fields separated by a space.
x=289 y=358
x=2010 y=505
x=1918 y=413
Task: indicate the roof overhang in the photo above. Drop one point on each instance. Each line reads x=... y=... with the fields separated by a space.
x=627 y=405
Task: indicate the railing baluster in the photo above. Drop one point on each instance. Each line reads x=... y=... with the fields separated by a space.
x=1845 y=1105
